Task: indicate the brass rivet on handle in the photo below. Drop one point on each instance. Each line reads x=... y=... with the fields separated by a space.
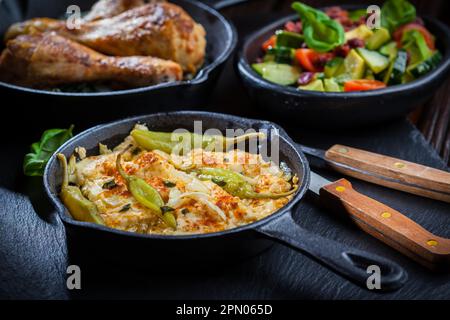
x=386 y=214
x=399 y=165
x=343 y=150
x=340 y=189
x=432 y=243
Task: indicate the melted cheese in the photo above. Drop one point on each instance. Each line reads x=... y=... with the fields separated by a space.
x=200 y=206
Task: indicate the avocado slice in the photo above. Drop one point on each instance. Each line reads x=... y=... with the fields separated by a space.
x=334 y=67
x=316 y=85
x=361 y=32
x=354 y=65
x=379 y=37
x=331 y=85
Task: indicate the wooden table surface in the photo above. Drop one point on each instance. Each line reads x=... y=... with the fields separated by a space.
x=433 y=118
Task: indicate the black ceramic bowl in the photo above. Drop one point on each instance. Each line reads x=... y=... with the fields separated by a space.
x=220 y=247
x=101 y=106
x=340 y=109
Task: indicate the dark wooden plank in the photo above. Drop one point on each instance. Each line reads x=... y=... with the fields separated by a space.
x=434 y=121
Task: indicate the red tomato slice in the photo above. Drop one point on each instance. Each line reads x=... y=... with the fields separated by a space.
x=269 y=43
x=429 y=38
x=363 y=85
x=311 y=60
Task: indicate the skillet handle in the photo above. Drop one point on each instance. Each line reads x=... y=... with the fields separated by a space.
x=387 y=225
x=390 y=172
x=221 y=4
x=347 y=261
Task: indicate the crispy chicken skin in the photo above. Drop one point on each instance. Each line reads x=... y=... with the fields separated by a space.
x=45 y=60
x=158 y=29
x=110 y=8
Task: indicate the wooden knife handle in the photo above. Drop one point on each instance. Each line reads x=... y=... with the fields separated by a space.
x=387 y=224
x=390 y=172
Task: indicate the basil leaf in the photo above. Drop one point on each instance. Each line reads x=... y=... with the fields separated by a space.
x=35 y=161
x=395 y=13
x=321 y=33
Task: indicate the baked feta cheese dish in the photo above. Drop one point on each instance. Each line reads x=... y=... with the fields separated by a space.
x=140 y=186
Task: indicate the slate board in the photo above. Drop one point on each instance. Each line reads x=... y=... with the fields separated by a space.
x=34 y=257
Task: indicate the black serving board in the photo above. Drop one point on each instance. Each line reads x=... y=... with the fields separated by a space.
x=34 y=254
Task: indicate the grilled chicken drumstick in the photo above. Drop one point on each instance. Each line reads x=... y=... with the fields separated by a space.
x=110 y=8
x=158 y=29
x=45 y=60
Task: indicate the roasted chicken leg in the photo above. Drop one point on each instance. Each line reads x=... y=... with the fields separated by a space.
x=110 y=8
x=158 y=29
x=46 y=60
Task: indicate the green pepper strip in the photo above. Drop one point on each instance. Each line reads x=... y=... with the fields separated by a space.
x=236 y=184
x=146 y=195
x=152 y=140
x=321 y=33
x=79 y=207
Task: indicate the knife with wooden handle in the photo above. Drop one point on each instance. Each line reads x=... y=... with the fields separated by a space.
x=383 y=222
x=386 y=171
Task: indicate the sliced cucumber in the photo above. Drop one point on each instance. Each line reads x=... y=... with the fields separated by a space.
x=389 y=50
x=334 y=67
x=316 y=85
x=354 y=65
x=289 y=39
x=376 y=61
x=379 y=37
x=283 y=74
x=397 y=69
x=331 y=85
x=421 y=68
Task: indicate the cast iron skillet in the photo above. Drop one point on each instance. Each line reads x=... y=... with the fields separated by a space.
x=328 y=109
x=222 y=246
x=221 y=41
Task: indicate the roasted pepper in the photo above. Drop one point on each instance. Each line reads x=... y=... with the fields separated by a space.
x=146 y=195
x=79 y=207
x=236 y=184
x=167 y=141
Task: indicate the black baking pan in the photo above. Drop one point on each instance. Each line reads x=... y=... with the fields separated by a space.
x=100 y=106
x=219 y=247
x=339 y=109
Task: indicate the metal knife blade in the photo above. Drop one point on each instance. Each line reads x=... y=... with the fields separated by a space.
x=317 y=183
x=316 y=157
